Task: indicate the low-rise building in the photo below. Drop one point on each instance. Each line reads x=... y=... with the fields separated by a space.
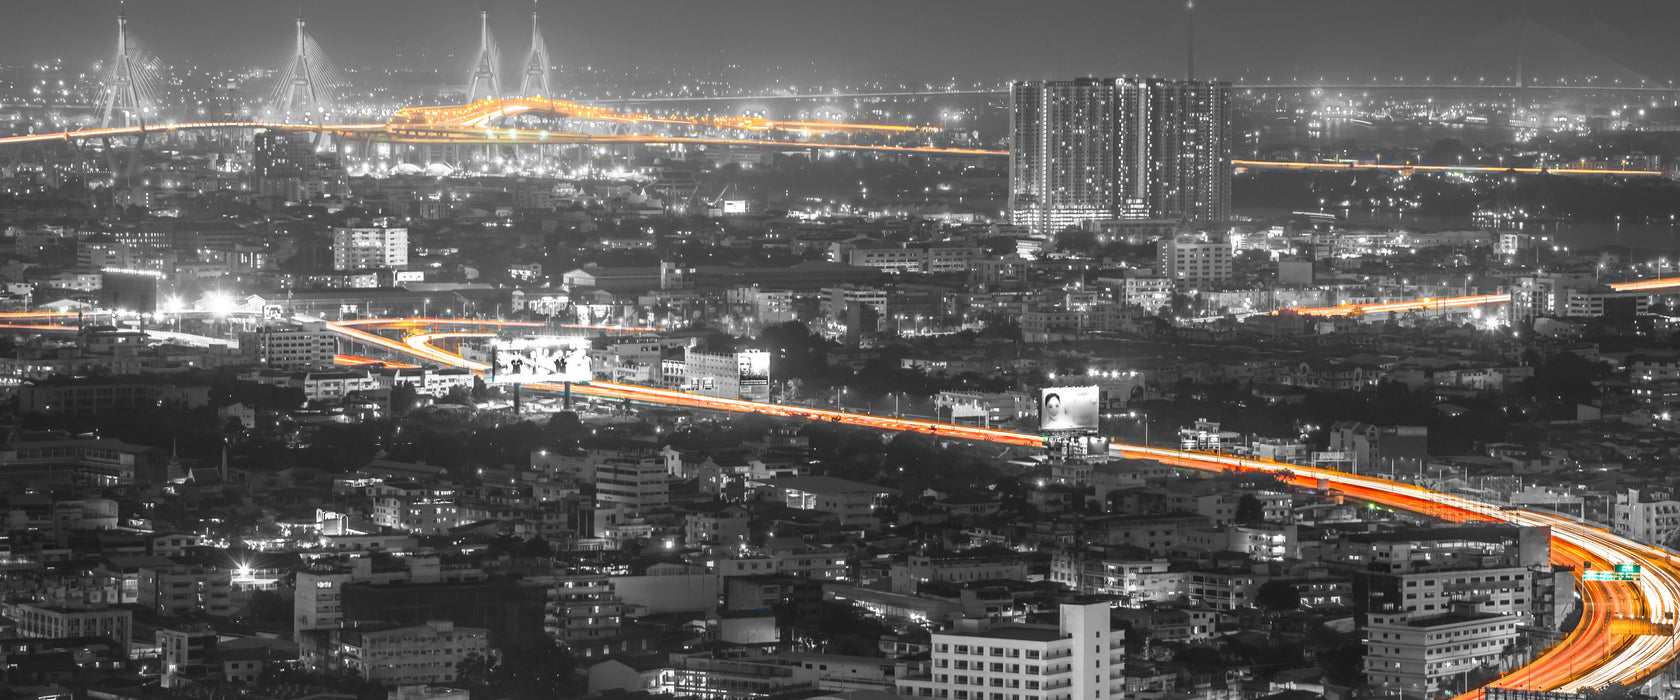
x=1082 y=656
x=414 y=655
x=1434 y=655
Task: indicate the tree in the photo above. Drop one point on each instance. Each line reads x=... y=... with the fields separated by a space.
x=538 y=672
x=1446 y=152
x=564 y=425
x=458 y=395
x=1250 y=509
x=404 y=398
x=1278 y=596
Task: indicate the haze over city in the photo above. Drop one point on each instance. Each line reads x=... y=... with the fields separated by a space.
x=935 y=40
x=1156 y=350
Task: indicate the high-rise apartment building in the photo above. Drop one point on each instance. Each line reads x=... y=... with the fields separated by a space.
x=283 y=154
x=370 y=248
x=1095 y=149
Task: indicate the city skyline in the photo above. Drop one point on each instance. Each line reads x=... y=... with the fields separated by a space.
x=1235 y=41
x=412 y=350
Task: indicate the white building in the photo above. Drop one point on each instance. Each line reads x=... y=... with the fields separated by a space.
x=1082 y=657
x=1648 y=516
x=426 y=380
x=1430 y=656
x=636 y=483
x=53 y=622
x=291 y=347
x=1189 y=260
x=732 y=375
x=1149 y=292
x=317 y=386
x=370 y=248
x=418 y=655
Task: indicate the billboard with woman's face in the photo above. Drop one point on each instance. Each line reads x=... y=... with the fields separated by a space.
x=1068 y=408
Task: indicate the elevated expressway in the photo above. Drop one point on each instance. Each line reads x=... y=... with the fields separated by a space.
x=474 y=124
x=1625 y=634
x=1429 y=303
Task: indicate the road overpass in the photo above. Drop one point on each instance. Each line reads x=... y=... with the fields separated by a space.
x=475 y=124
x=1625 y=634
x=1473 y=300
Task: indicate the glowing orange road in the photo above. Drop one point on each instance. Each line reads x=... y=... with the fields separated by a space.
x=483 y=112
x=475 y=136
x=1457 y=302
x=359 y=361
x=115 y=132
x=470 y=136
x=1398 y=306
x=456 y=124
x=1294 y=165
x=419 y=321
x=1642 y=285
x=1590 y=656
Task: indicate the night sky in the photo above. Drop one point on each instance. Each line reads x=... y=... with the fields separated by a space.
x=910 y=40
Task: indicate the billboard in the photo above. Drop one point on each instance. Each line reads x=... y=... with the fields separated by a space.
x=537 y=360
x=1068 y=408
x=755 y=364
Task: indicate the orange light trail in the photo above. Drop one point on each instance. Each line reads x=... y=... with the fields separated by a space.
x=359 y=361
x=1296 y=165
x=483 y=112
x=1595 y=653
x=1456 y=302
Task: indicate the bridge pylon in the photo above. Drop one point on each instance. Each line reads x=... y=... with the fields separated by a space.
x=535 y=81
x=301 y=92
x=122 y=89
x=485 y=81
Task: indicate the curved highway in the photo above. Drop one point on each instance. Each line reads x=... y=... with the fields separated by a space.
x=1625 y=634
x=1427 y=303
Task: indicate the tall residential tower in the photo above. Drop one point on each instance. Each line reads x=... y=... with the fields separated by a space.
x=1119 y=148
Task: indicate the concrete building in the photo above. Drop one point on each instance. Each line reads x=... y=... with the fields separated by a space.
x=101 y=463
x=1082 y=656
x=744 y=374
x=415 y=655
x=1191 y=260
x=185 y=590
x=1648 y=515
x=52 y=622
x=582 y=611
x=1500 y=590
x=1096 y=149
x=955 y=567
x=1428 y=657
x=634 y=483
x=307 y=346
x=370 y=248
x=407 y=506
x=317 y=386
x=853 y=501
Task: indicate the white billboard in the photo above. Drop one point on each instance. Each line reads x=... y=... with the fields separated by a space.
x=538 y=360
x=1068 y=408
x=755 y=364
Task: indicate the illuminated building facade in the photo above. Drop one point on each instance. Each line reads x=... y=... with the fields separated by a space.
x=1098 y=149
x=370 y=248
